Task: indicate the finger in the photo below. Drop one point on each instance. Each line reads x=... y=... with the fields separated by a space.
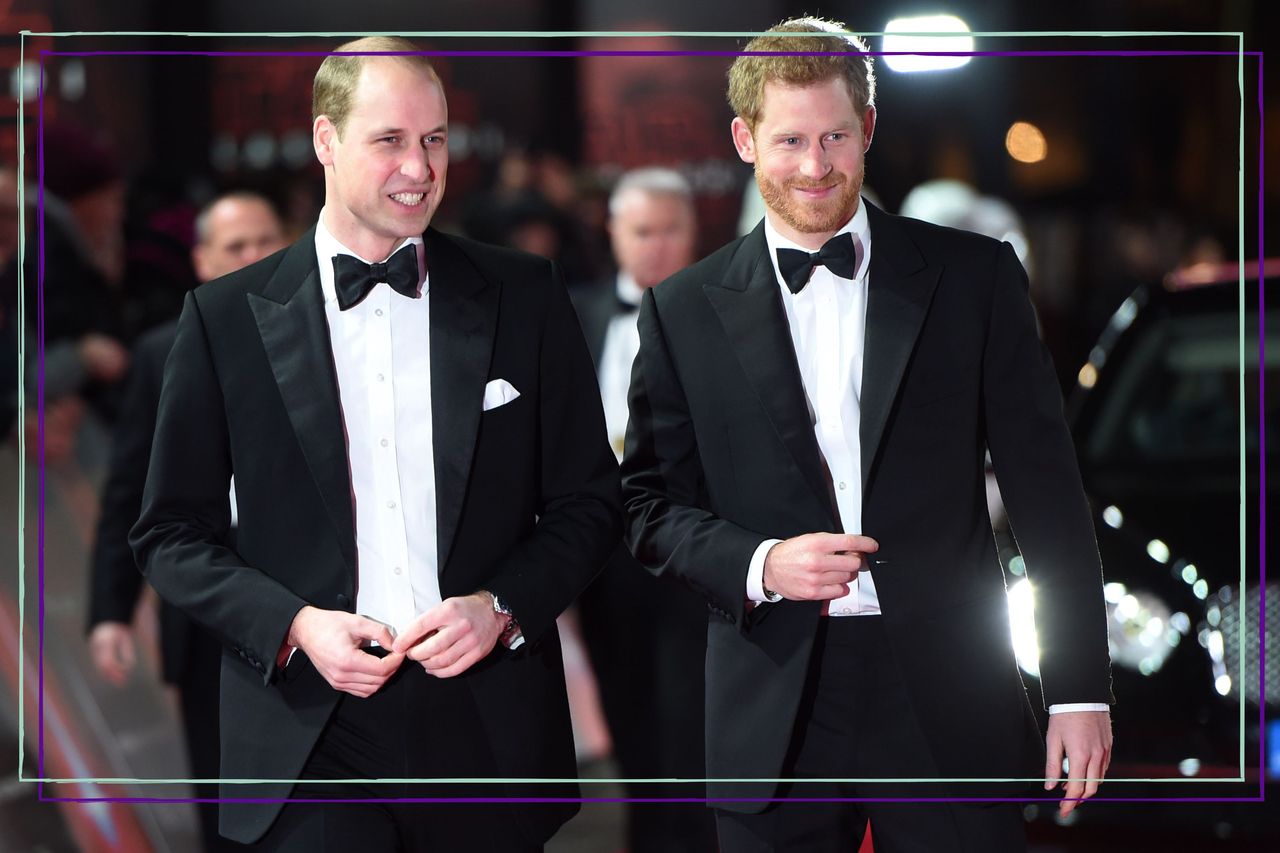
x=371 y=629
x=836 y=577
x=446 y=658
x=832 y=591
x=856 y=542
x=848 y=563
x=456 y=641
x=433 y=644
x=1075 y=786
x=362 y=663
x=421 y=628
x=1093 y=776
x=460 y=666
x=1052 y=762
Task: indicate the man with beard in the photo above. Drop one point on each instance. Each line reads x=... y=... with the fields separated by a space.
x=810 y=410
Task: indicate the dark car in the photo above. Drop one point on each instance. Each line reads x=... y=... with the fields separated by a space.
x=1171 y=421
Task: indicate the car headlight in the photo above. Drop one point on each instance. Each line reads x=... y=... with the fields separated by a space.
x=1221 y=636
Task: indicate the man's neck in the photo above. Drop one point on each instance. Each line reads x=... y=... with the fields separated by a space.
x=373 y=248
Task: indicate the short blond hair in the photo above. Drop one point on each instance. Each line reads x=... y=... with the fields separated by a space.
x=338 y=76
x=749 y=74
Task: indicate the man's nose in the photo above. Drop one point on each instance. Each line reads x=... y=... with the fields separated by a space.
x=815 y=163
x=416 y=166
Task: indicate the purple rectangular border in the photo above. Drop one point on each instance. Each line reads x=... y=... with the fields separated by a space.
x=650 y=53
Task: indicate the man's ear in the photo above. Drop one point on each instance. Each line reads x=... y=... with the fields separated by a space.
x=199 y=262
x=868 y=128
x=743 y=140
x=323 y=137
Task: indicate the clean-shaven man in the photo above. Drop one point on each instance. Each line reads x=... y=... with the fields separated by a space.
x=423 y=485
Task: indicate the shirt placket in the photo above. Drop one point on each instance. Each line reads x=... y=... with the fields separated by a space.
x=392 y=537
x=833 y=393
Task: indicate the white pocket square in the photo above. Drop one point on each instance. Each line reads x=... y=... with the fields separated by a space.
x=497 y=393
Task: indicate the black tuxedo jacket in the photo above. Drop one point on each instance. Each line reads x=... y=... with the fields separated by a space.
x=527 y=497
x=721 y=455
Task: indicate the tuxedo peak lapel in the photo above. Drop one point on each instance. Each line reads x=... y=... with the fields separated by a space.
x=464 y=319
x=900 y=287
x=290 y=317
x=749 y=304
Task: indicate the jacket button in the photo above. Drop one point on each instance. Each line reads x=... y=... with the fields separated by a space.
x=342 y=601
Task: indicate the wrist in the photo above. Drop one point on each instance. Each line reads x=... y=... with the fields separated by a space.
x=769 y=594
x=509 y=632
x=293 y=638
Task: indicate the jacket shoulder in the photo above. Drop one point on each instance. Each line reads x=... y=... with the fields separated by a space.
x=496 y=262
x=687 y=284
x=218 y=292
x=940 y=242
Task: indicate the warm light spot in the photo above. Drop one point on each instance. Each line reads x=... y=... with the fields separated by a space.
x=1025 y=142
x=1088 y=376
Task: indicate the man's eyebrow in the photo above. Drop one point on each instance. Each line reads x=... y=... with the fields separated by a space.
x=400 y=131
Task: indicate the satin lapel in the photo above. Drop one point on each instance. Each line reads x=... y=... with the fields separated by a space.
x=464 y=320
x=899 y=291
x=750 y=308
x=295 y=334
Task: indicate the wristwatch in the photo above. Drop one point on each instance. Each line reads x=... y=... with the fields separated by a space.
x=511 y=635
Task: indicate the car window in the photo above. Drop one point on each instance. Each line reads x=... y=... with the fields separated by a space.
x=1176 y=398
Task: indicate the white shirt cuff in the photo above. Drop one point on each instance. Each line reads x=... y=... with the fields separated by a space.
x=755 y=573
x=1079 y=706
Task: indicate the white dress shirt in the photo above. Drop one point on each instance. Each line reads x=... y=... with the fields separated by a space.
x=382 y=358
x=828 y=320
x=621 y=343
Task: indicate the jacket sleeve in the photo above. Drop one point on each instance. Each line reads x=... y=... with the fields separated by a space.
x=1039 y=477
x=179 y=538
x=663 y=485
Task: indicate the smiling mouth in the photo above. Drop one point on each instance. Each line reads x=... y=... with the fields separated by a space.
x=408 y=199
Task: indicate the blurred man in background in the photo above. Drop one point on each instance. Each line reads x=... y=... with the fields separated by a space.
x=232 y=231
x=646 y=635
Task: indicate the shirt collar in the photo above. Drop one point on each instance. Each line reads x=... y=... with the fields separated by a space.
x=327 y=246
x=857 y=226
x=628 y=291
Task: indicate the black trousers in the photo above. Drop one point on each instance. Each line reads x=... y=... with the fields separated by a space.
x=416 y=727
x=856 y=722
x=647 y=640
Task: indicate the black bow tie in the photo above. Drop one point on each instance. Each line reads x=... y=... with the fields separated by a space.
x=840 y=254
x=353 y=278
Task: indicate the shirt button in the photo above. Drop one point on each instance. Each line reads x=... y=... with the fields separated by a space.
x=384 y=443
x=378 y=311
x=397 y=570
x=381 y=377
x=391 y=504
x=842 y=484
